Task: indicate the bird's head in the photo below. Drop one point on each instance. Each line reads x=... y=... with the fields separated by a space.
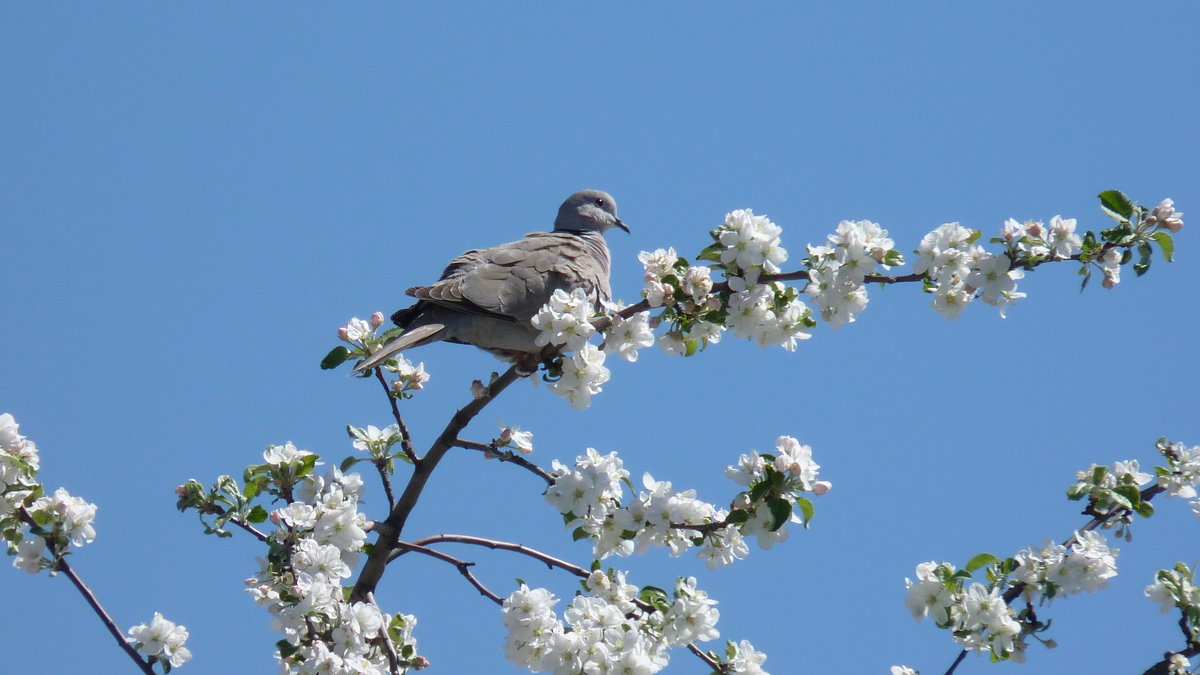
x=588 y=211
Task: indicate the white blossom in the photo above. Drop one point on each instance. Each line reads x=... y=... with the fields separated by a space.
x=583 y=373
x=564 y=320
x=161 y=637
x=626 y=336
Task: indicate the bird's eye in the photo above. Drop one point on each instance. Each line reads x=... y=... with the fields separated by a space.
x=599 y=201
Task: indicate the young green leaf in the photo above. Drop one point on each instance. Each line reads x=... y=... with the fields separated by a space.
x=336 y=357
x=1116 y=204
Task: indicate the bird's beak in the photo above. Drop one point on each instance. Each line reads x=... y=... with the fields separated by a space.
x=623 y=226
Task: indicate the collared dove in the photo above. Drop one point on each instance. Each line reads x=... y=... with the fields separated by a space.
x=487 y=297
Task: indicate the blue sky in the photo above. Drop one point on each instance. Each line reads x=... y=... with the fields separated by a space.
x=195 y=198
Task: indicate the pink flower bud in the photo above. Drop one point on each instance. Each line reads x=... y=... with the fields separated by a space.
x=376 y=319
x=343 y=334
x=181 y=490
x=821 y=487
x=1035 y=229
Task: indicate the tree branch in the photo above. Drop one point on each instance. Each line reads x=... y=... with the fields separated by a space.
x=494 y=544
x=462 y=565
x=405 y=439
x=65 y=568
x=506 y=456
x=389 y=536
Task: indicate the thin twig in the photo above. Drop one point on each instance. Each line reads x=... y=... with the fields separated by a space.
x=65 y=568
x=959 y=659
x=549 y=560
x=393 y=659
x=405 y=439
x=506 y=456
x=381 y=467
x=373 y=569
x=462 y=565
x=717 y=666
x=255 y=532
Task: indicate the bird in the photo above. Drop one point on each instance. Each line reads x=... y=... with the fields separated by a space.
x=487 y=297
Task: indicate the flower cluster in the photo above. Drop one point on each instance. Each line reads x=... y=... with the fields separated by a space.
x=374 y=441
x=590 y=496
x=566 y=320
x=748 y=246
x=162 y=641
x=626 y=336
x=1182 y=473
x=1033 y=240
x=1165 y=216
x=610 y=628
x=956 y=270
x=1085 y=564
x=38 y=528
x=837 y=271
x=317 y=543
x=978 y=614
x=364 y=340
x=694 y=314
x=1113 y=493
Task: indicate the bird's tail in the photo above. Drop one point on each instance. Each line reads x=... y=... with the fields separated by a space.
x=430 y=332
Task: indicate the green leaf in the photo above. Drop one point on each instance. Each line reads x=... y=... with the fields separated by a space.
x=349 y=462
x=1130 y=493
x=980 y=561
x=1143 y=264
x=336 y=357
x=737 y=517
x=781 y=511
x=1078 y=491
x=257 y=514
x=1144 y=509
x=759 y=490
x=806 y=509
x=1119 y=499
x=1167 y=244
x=975 y=235
x=1116 y=204
x=578 y=534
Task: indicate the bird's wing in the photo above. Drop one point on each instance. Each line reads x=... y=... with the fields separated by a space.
x=513 y=281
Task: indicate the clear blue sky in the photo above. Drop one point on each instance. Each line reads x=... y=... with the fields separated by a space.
x=193 y=199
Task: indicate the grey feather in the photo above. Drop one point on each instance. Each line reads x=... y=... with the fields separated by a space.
x=487 y=297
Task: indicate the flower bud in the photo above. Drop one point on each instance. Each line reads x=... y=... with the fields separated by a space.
x=343 y=334
x=821 y=487
x=376 y=319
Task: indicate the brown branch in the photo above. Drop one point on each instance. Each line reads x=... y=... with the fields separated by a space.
x=65 y=568
x=462 y=565
x=495 y=544
x=389 y=535
x=405 y=439
x=393 y=659
x=506 y=456
x=717 y=666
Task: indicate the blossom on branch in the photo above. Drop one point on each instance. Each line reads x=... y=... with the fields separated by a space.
x=162 y=640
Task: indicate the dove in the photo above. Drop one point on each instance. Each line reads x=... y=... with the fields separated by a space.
x=487 y=297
